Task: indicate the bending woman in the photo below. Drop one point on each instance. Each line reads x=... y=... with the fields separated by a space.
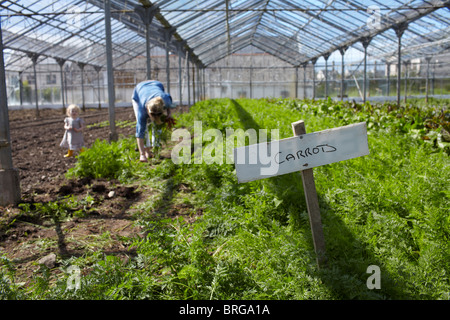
x=149 y=101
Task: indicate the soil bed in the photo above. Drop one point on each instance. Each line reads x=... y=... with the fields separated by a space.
x=25 y=238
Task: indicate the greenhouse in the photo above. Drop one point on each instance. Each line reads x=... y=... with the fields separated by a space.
x=210 y=49
x=154 y=227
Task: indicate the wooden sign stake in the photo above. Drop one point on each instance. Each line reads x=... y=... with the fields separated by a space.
x=303 y=152
x=312 y=203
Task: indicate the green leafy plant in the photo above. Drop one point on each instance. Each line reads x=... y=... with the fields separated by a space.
x=112 y=160
x=253 y=240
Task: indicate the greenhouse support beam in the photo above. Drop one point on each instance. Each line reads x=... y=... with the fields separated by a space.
x=66 y=94
x=304 y=65
x=251 y=84
x=342 y=51
x=146 y=14
x=201 y=71
x=180 y=46
x=188 y=80
x=199 y=81
x=61 y=63
x=427 y=83
x=204 y=82
x=97 y=69
x=167 y=36
x=326 y=56
x=365 y=42
x=313 y=61
x=81 y=66
x=167 y=66
x=388 y=79
x=180 y=79
x=296 y=82
x=399 y=30
x=220 y=81
x=21 y=88
x=227 y=23
x=406 y=80
x=148 y=52
x=110 y=73
x=431 y=79
x=34 y=57
x=193 y=83
x=9 y=176
x=199 y=84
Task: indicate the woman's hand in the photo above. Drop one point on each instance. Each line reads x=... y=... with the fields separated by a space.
x=170 y=122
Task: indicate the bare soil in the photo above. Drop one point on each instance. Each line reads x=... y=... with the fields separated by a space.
x=36 y=153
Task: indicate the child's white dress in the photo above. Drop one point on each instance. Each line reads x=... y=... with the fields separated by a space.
x=73 y=140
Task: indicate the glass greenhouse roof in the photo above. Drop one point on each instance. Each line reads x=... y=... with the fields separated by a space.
x=294 y=31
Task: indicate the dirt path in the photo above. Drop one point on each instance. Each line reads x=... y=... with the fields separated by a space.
x=35 y=142
x=26 y=238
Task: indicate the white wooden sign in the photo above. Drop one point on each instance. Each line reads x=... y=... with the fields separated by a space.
x=264 y=160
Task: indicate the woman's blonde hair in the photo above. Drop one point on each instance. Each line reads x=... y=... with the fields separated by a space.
x=71 y=107
x=155 y=108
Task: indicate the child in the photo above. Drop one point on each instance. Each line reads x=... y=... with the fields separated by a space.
x=74 y=125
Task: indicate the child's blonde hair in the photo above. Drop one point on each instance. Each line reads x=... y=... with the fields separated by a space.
x=155 y=108
x=71 y=107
